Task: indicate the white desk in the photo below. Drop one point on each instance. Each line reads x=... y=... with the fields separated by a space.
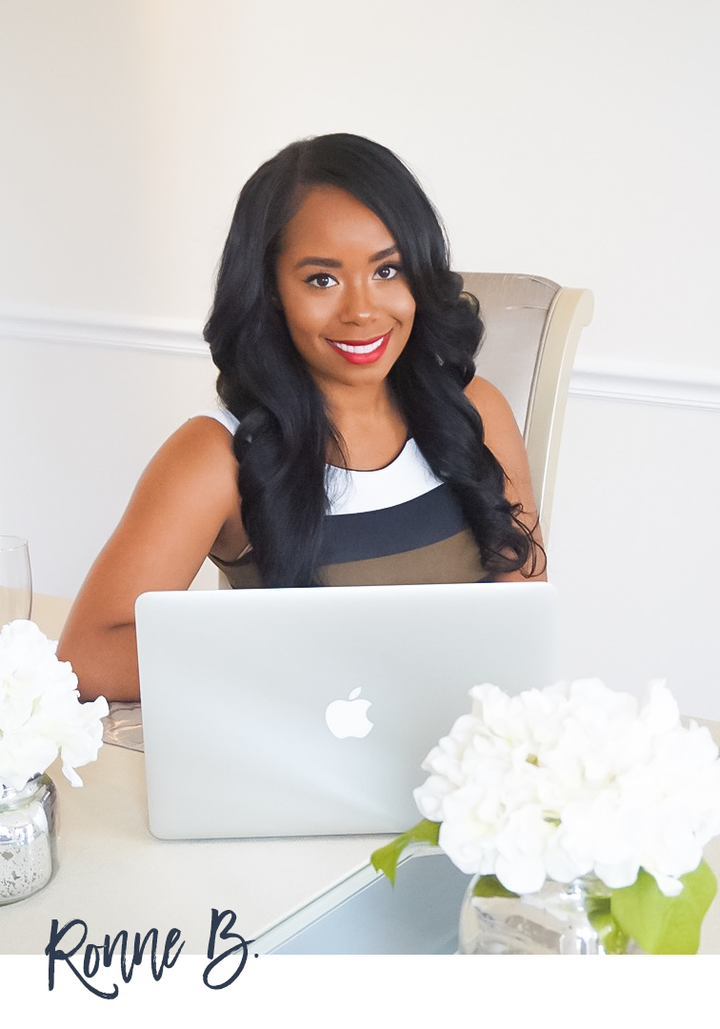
x=113 y=874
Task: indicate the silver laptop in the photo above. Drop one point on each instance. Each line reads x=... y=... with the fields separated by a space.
x=300 y=712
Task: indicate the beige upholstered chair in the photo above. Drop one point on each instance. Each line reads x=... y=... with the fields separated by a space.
x=532 y=330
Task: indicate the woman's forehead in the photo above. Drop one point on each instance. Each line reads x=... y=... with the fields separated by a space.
x=331 y=217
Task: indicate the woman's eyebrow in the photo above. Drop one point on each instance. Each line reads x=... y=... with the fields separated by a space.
x=381 y=254
x=330 y=262
x=326 y=262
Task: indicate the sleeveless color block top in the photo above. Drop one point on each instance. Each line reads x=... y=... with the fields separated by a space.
x=398 y=524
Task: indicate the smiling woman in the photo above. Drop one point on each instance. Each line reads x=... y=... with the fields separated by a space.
x=354 y=444
x=360 y=309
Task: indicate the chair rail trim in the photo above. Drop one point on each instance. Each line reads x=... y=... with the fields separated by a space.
x=639 y=382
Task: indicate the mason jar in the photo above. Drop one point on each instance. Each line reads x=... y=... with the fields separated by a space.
x=560 y=918
x=28 y=848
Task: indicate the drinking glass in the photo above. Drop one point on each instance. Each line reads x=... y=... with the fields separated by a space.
x=15 y=579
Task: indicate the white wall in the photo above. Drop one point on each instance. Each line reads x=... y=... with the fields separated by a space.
x=86 y=419
x=633 y=551
x=570 y=138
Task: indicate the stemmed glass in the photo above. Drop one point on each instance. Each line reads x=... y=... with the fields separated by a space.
x=15 y=579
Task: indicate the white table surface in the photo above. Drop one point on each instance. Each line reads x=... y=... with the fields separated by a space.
x=113 y=874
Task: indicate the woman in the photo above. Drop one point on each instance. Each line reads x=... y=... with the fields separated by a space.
x=343 y=341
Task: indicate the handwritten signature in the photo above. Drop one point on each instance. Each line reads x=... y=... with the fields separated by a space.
x=86 y=963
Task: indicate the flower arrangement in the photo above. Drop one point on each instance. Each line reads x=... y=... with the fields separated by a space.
x=575 y=780
x=41 y=716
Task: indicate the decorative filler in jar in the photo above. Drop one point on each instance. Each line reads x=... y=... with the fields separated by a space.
x=41 y=717
x=581 y=813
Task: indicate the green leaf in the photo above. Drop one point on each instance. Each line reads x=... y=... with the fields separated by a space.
x=612 y=938
x=386 y=858
x=490 y=886
x=660 y=924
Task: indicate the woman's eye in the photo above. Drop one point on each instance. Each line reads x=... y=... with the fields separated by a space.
x=388 y=271
x=321 y=280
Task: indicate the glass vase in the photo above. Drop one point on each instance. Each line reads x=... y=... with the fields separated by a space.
x=28 y=849
x=561 y=918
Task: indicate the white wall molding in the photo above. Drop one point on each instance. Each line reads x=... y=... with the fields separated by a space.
x=596 y=378
x=644 y=382
x=167 y=335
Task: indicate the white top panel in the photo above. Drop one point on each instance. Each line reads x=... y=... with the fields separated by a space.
x=354 y=492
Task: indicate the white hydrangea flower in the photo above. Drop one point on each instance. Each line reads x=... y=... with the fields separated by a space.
x=573 y=779
x=41 y=715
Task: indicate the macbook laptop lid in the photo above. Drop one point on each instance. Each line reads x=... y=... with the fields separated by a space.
x=297 y=712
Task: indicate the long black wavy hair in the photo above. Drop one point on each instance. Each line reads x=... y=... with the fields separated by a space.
x=282 y=441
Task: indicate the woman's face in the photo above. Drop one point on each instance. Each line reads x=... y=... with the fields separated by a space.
x=346 y=300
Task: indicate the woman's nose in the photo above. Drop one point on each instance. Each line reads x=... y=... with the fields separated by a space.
x=357 y=307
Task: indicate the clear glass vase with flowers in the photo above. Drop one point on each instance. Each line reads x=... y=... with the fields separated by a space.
x=581 y=813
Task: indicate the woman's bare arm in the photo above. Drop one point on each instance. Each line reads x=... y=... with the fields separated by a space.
x=503 y=438
x=185 y=505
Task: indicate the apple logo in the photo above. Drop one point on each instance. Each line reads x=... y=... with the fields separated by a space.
x=349 y=717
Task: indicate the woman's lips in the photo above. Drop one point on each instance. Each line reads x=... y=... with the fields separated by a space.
x=361 y=351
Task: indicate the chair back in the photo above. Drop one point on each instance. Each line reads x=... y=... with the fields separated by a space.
x=532 y=327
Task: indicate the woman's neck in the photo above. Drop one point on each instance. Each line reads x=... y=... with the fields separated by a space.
x=371 y=427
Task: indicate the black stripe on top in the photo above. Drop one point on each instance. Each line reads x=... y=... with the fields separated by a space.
x=426 y=519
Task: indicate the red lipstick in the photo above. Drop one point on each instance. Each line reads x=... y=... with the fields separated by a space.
x=361 y=351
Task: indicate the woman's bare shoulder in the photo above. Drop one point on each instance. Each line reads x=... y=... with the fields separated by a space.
x=204 y=431
x=482 y=394
x=498 y=419
x=503 y=437
x=199 y=450
x=187 y=492
x=185 y=501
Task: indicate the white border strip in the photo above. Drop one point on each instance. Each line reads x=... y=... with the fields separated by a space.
x=595 y=378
